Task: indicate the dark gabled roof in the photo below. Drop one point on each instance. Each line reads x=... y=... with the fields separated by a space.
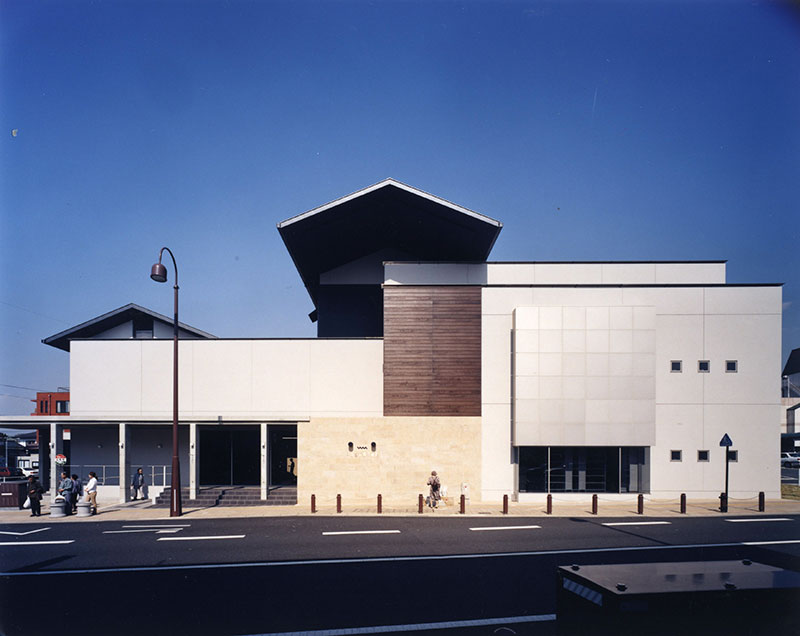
x=113 y=318
x=792 y=363
x=387 y=215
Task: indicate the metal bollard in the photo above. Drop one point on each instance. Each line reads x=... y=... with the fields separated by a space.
x=338 y=503
x=683 y=503
x=505 y=504
x=463 y=505
x=420 y=504
x=761 y=503
x=723 y=502
x=313 y=503
x=380 y=504
x=594 y=504
x=640 y=505
x=549 y=504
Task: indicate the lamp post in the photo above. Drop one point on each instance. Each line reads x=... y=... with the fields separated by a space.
x=159 y=274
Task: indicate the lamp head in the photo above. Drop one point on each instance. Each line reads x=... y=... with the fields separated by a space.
x=158 y=273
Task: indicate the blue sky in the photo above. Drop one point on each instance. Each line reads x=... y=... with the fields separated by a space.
x=593 y=131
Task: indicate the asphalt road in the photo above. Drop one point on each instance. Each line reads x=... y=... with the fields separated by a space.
x=273 y=575
x=790 y=475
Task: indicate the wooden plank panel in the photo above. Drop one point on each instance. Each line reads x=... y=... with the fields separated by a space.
x=432 y=351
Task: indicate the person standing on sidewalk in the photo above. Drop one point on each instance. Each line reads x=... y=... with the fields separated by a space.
x=436 y=485
x=65 y=490
x=138 y=483
x=35 y=491
x=91 y=491
x=77 y=491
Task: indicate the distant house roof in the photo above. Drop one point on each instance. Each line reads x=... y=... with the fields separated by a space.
x=792 y=363
x=387 y=215
x=98 y=325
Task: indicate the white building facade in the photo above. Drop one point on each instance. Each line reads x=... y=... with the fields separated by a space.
x=517 y=379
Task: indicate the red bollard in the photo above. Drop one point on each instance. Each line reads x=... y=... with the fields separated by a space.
x=338 y=503
x=505 y=504
x=761 y=505
x=549 y=504
x=463 y=505
x=380 y=504
x=420 y=504
x=640 y=505
x=683 y=503
x=313 y=503
x=594 y=504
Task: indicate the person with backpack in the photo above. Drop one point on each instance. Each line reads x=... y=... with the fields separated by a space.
x=77 y=491
x=436 y=489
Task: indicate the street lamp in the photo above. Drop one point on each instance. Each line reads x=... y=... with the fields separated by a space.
x=159 y=274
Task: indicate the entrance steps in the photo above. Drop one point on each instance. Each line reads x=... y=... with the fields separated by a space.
x=210 y=496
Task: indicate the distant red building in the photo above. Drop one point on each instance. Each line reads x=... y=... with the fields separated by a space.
x=51 y=403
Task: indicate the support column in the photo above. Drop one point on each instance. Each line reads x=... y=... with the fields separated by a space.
x=124 y=462
x=264 y=481
x=194 y=450
x=56 y=444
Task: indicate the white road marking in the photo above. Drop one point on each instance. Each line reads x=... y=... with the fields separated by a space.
x=638 y=523
x=331 y=534
x=22 y=534
x=169 y=531
x=754 y=520
x=505 y=528
x=37 y=542
x=449 y=557
x=391 y=629
x=221 y=536
x=770 y=542
x=177 y=525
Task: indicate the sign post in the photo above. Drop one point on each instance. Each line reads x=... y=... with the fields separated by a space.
x=726 y=443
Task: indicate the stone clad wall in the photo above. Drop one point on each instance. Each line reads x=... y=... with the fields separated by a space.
x=407 y=449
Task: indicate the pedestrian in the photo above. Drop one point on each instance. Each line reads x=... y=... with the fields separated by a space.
x=91 y=491
x=435 y=491
x=77 y=491
x=35 y=491
x=138 y=483
x=65 y=490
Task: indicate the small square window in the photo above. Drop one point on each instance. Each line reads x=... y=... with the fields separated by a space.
x=675 y=455
x=703 y=366
x=676 y=366
x=731 y=366
x=702 y=455
x=733 y=455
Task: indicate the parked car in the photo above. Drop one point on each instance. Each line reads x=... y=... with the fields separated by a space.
x=6 y=471
x=790 y=460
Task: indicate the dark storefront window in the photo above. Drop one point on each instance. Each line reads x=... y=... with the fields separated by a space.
x=583 y=469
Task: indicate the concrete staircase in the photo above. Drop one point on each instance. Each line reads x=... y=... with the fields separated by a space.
x=210 y=496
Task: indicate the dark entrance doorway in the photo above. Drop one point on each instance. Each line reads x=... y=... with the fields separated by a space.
x=230 y=456
x=283 y=455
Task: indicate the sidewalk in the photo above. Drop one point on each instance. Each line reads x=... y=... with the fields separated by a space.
x=138 y=511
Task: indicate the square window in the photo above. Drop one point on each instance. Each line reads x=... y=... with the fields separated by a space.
x=703 y=366
x=702 y=455
x=675 y=455
x=676 y=366
x=731 y=366
x=733 y=455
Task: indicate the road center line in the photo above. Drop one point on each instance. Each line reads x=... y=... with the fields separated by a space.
x=37 y=542
x=127 y=531
x=177 y=525
x=392 y=629
x=504 y=528
x=756 y=520
x=221 y=536
x=638 y=523
x=769 y=542
x=22 y=534
x=331 y=534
